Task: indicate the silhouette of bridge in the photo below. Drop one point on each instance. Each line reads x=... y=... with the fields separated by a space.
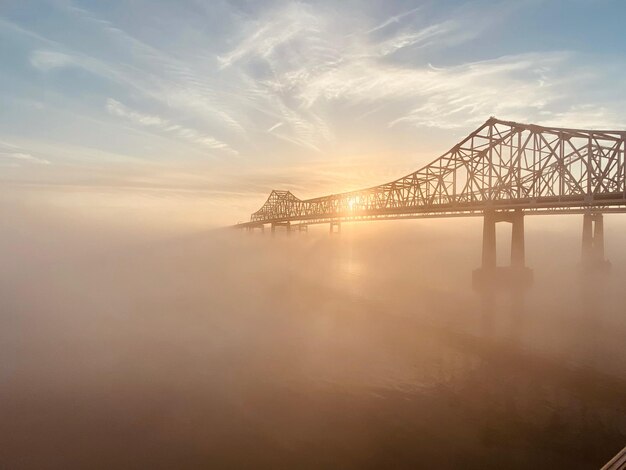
x=502 y=171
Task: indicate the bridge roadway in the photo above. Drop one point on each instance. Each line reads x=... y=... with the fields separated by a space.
x=502 y=171
x=615 y=203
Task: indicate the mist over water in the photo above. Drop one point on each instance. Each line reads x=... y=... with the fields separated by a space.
x=125 y=349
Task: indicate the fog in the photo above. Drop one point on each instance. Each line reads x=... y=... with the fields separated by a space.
x=128 y=347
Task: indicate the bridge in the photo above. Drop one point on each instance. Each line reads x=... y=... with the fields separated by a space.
x=502 y=172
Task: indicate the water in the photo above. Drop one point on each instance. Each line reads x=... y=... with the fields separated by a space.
x=364 y=350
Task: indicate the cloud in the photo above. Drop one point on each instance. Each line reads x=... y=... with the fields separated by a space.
x=392 y=20
x=303 y=67
x=294 y=22
x=116 y=108
x=24 y=157
x=422 y=37
x=47 y=60
x=15 y=154
x=313 y=67
x=316 y=67
x=275 y=126
x=179 y=84
x=586 y=116
x=135 y=65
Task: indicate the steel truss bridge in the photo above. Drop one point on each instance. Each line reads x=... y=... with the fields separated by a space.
x=502 y=171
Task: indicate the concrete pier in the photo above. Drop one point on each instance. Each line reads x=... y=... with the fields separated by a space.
x=592 y=253
x=287 y=226
x=517 y=275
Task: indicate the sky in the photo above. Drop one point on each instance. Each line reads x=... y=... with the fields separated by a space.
x=190 y=112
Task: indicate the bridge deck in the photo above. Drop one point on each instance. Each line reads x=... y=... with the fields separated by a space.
x=615 y=206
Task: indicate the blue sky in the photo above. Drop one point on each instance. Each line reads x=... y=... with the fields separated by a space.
x=197 y=109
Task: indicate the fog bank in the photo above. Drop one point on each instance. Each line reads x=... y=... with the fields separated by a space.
x=128 y=347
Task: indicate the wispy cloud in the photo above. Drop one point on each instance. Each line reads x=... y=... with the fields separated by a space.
x=297 y=65
x=116 y=108
x=13 y=155
x=180 y=84
x=293 y=23
x=24 y=157
x=140 y=68
x=275 y=126
x=392 y=20
x=315 y=68
x=47 y=60
x=422 y=37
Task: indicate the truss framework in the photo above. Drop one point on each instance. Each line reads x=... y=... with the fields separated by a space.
x=500 y=165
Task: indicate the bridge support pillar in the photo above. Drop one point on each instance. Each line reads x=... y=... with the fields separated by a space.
x=287 y=226
x=252 y=228
x=517 y=275
x=335 y=227
x=303 y=228
x=489 y=240
x=592 y=258
x=518 y=250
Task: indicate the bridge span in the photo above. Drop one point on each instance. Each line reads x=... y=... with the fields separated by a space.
x=502 y=172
